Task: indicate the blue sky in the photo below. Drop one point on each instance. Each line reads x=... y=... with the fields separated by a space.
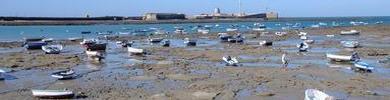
x=286 y=8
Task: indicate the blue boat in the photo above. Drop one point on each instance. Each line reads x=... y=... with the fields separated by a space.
x=34 y=45
x=363 y=66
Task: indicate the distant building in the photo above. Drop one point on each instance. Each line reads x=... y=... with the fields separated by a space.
x=272 y=15
x=163 y=16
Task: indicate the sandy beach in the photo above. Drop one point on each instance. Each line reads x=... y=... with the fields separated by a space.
x=198 y=73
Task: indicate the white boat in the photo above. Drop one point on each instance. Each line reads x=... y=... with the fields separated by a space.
x=93 y=53
x=61 y=75
x=363 y=66
x=204 y=31
x=313 y=94
x=258 y=29
x=351 y=32
x=309 y=41
x=52 y=49
x=48 y=40
x=303 y=37
x=231 y=29
x=180 y=31
x=350 y=44
x=303 y=46
x=135 y=50
x=302 y=34
x=315 y=26
x=230 y=61
x=280 y=33
x=88 y=41
x=75 y=38
x=341 y=58
x=52 y=93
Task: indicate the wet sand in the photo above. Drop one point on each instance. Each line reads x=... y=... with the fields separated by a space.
x=198 y=73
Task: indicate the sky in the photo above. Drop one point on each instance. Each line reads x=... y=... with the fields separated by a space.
x=285 y=8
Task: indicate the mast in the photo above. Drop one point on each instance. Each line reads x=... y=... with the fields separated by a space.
x=239 y=8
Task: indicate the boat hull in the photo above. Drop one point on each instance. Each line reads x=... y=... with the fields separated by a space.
x=52 y=94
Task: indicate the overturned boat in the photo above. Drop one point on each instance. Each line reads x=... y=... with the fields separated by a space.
x=351 y=32
x=350 y=44
x=62 y=75
x=53 y=94
x=230 y=61
x=313 y=94
x=52 y=49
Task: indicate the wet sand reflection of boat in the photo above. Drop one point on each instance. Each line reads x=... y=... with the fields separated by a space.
x=53 y=94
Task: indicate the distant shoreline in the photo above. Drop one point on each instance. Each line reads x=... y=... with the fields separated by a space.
x=124 y=22
x=120 y=22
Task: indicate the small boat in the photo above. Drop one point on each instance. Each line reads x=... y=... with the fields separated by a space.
x=155 y=40
x=53 y=94
x=180 y=31
x=280 y=33
x=258 y=29
x=203 y=31
x=95 y=55
x=124 y=43
x=235 y=40
x=350 y=44
x=165 y=43
x=88 y=41
x=231 y=29
x=48 y=40
x=86 y=32
x=302 y=34
x=190 y=42
x=313 y=94
x=133 y=50
x=62 y=75
x=52 y=49
x=303 y=46
x=315 y=26
x=351 y=32
x=230 y=61
x=96 y=46
x=363 y=66
x=266 y=43
x=331 y=35
x=75 y=39
x=340 y=58
x=224 y=37
x=308 y=41
x=34 y=45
